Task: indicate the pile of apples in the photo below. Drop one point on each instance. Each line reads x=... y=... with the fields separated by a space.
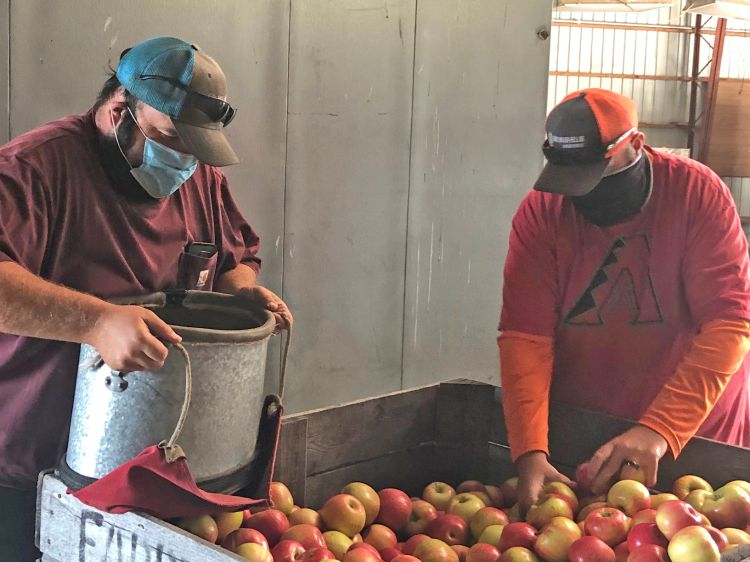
x=481 y=523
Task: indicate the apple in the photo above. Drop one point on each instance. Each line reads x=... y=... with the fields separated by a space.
x=465 y=506
x=317 y=555
x=484 y=518
x=741 y=483
x=308 y=535
x=368 y=496
x=380 y=537
x=590 y=549
x=491 y=535
x=630 y=472
x=246 y=514
x=550 y=507
x=388 y=554
x=281 y=498
x=563 y=491
x=697 y=498
x=203 y=526
x=227 y=522
x=736 y=536
x=343 y=512
x=357 y=538
x=305 y=515
x=365 y=546
x=673 y=515
x=554 y=540
x=287 y=551
x=622 y=552
x=629 y=497
x=514 y=514
x=337 y=542
x=495 y=494
x=588 y=500
x=242 y=536
x=658 y=499
x=482 y=496
x=411 y=543
x=439 y=494
x=470 y=486
x=509 y=488
x=589 y=508
x=686 y=484
x=518 y=554
x=461 y=550
x=643 y=516
x=729 y=506
x=435 y=550
x=360 y=555
x=646 y=533
x=254 y=552
x=482 y=552
x=719 y=538
x=405 y=558
x=648 y=553
x=271 y=523
x=693 y=544
x=517 y=534
x=449 y=528
x=395 y=508
x=422 y=513
x=608 y=524
x=583 y=477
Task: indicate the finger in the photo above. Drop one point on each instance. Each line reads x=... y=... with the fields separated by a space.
x=607 y=473
x=153 y=349
x=560 y=477
x=650 y=469
x=599 y=458
x=273 y=306
x=160 y=329
x=150 y=363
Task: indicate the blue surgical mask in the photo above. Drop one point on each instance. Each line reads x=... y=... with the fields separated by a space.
x=163 y=169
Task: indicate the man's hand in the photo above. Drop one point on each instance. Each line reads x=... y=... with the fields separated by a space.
x=273 y=303
x=129 y=338
x=639 y=449
x=534 y=471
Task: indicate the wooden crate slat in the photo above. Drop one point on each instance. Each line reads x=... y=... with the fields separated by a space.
x=291 y=459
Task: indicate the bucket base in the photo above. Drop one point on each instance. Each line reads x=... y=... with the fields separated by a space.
x=227 y=484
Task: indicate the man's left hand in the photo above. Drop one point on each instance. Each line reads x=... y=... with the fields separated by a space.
x=637 y=450
x=273 y=303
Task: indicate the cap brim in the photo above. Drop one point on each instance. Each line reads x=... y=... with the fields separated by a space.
x=572 y=181
x=209 y=146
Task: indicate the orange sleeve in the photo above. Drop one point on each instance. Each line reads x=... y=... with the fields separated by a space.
x=526 y=375
x=715 y=354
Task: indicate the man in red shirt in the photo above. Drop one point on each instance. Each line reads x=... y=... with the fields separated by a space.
x=123 y=200
x=626 y=291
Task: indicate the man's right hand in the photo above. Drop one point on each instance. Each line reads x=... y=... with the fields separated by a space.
x=131 y=338
x=534 y=471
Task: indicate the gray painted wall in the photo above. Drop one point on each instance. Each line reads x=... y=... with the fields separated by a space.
x=385 y=146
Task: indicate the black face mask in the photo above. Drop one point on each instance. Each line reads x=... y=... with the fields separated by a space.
x=618 y=197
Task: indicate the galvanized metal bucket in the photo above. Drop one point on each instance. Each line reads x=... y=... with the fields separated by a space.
x=116 y=416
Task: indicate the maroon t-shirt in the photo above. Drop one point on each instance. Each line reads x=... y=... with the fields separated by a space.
x=71 y=213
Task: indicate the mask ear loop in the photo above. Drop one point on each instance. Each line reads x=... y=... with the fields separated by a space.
x=117 y=140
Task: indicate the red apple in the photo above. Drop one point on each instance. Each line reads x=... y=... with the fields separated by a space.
x=465 y=505
x=554 y=541
x=470 y=486
x=517 y=534
x=590 y=549
x=484 y=518
x=411 y=544
x=254 y=552
x=380 y=537
x=693 y=544
x=388 y=554
x=344 y=513
x=451 y=529
x=317 y=555
x=608 y=524
x=337 y=542
x=646 y=533
x=461 y=550
x=287 y=551
x=643 y=516
x=509 y=488
x=364 y=546
x=719 y=538
x=246 y=514
x=439 y=494
x=550 y=507
x=686 y=484
x=361 y=555
x=673 y=515
x=483 y=553
x=648 y=553
x=729 y=506
x=368 y=496
x=589 y=508
x=435 y=550
x=629 y=497
x=271 y=523
x=495 y=494
x=242 y=536
x=395 y=508
x=305 y=515
x=622 y=552
x=203 y=526
x=422 y=513
x=281 y=498
x=308 y=535
x=518 y=554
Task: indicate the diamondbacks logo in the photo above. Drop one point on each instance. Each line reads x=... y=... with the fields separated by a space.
x=621 y=286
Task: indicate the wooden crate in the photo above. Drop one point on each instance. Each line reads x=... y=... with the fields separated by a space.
x=451 y=432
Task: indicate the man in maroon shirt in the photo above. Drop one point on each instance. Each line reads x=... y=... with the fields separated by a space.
x=125 y=199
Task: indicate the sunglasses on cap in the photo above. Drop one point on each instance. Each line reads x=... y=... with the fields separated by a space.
x=217 y=110
x=585 y=154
